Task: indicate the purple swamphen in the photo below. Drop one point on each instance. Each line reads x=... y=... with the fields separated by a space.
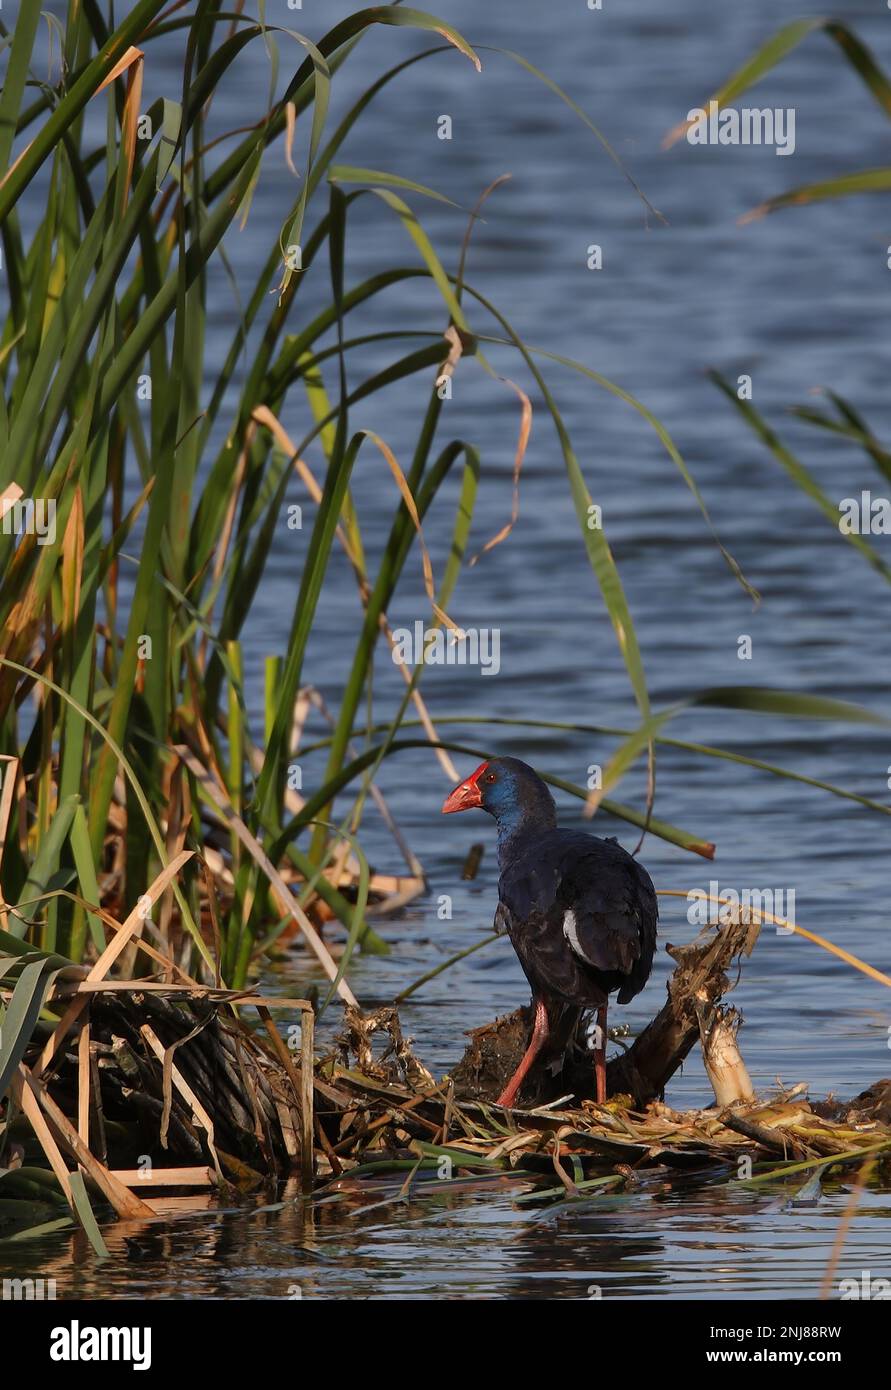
x=580 y=911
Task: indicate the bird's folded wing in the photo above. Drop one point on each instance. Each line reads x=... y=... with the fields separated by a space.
x=590 y=897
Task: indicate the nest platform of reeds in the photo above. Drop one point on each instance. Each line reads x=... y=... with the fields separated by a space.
x=152 y=1094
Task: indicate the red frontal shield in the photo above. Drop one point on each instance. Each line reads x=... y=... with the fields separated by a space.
x=465 y=795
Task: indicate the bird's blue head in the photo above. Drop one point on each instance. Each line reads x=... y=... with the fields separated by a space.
x=512 y=792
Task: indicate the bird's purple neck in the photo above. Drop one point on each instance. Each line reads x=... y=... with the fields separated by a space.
x=523 y=820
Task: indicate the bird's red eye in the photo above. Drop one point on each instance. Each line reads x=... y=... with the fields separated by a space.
x=490 y=776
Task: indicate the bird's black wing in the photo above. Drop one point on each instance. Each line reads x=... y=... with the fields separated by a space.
x=609 y=913
x=582 y=915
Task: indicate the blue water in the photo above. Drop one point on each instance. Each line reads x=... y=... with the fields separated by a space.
x=799 y=301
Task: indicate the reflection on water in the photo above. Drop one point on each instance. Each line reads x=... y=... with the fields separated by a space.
x=709 y=1242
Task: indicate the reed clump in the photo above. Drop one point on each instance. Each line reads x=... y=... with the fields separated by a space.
x=162 y=1093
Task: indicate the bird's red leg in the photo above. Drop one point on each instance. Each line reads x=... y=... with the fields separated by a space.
x=600 y=1055
x=536 y=1043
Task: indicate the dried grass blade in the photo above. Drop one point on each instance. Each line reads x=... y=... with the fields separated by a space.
x=172 y=1075
x=522 y=445
x=255 y=849
x=134 y=921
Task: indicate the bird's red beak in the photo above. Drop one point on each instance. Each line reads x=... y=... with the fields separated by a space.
x=465 y=795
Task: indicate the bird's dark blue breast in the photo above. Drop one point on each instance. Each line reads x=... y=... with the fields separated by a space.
x=581 y=913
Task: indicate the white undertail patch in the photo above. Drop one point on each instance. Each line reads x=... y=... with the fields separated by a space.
x=570 y=931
